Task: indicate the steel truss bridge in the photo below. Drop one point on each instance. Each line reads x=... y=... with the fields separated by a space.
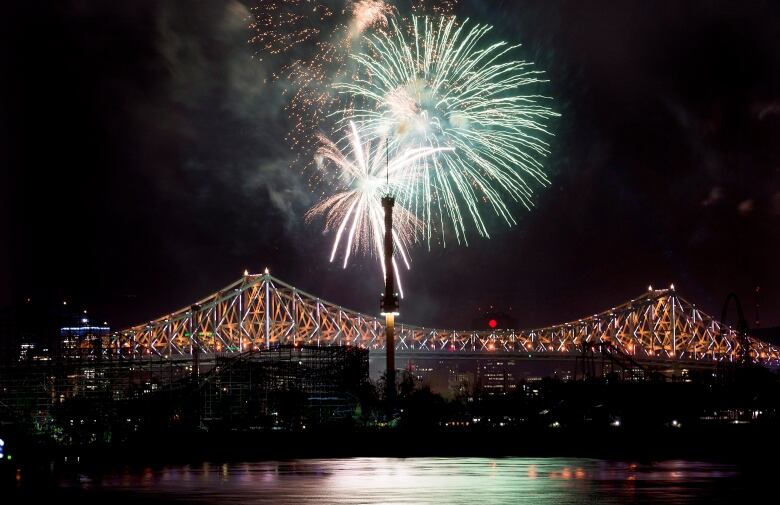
x=260 y=312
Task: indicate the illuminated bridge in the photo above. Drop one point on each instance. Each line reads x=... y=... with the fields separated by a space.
x=260 y=311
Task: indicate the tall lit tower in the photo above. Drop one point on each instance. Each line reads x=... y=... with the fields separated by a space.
x=389 y=301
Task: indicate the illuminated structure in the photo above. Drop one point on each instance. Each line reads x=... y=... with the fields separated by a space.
x=260 y=311
x=389 y=302
x=390 y=305
x=259 y=339
x=83 y=340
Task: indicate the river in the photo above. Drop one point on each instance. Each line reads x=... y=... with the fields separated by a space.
x=422 y=481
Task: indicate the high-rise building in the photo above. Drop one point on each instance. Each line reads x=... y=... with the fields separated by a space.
x=497 y=376
x=83 y=340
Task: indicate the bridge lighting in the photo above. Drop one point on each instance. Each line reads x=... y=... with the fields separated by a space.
x=650 y=288
x=246 y=272
x=671 y=286
x=631 y=328
x=492 y=323
x=266 y=271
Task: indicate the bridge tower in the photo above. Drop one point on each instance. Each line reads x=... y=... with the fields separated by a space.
x=389 y=301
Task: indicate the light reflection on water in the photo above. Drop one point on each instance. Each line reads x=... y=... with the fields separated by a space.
x=427 y=481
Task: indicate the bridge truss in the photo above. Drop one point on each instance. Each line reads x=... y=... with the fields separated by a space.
x=260 y=311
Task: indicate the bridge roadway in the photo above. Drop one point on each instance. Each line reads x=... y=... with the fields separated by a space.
x=259 y=311
x=207 y=360
x=378 y=356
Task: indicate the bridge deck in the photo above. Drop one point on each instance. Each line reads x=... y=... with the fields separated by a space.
x=260 y=311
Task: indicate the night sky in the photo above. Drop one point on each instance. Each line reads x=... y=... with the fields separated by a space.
x=144 y=164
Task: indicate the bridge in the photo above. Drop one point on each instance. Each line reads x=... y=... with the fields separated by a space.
x=259 y=312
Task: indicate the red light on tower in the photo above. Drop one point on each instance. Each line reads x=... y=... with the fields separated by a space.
x=492 y=323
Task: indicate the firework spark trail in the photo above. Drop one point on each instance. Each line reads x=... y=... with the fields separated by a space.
x=281 y=25
x=316 y=36
x=356 y=213
x=443 y=86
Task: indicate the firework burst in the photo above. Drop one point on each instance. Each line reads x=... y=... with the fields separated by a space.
x=355 y=213
x=440 y=84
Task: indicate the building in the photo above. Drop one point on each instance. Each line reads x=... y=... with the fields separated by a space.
x=497 y=377
x=31 y=351
x=83 y=340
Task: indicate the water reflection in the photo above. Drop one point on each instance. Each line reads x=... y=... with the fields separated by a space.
x=426 y=481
